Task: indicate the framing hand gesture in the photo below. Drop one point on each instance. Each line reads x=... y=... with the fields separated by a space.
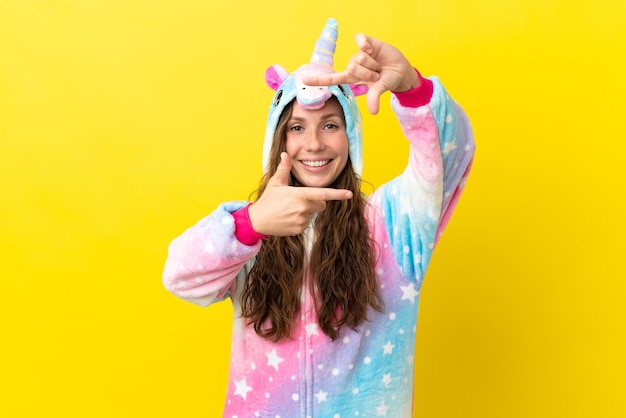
x=378 y=65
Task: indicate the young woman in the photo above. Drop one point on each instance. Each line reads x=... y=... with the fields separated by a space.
x=325 y=281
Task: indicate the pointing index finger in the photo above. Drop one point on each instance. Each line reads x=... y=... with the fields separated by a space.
x=325 y=194
x=328 y=79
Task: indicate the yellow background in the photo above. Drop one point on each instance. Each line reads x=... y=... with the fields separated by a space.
x=122 y=122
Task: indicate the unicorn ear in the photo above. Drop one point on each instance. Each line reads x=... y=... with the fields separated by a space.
x=275 y=75
x=358 y=89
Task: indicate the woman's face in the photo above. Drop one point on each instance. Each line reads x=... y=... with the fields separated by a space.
x=317 y=144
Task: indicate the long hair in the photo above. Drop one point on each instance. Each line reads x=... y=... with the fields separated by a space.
x=341 y=264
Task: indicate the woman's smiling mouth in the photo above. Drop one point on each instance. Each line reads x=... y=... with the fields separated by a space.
x=316 y=163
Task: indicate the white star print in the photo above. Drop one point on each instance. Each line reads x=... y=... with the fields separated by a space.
x=311 y=329
x=241 y=388
x=273 y=359
x=409 y=292
x=381 y=410
x=209 y=248
x=449 y=147
x=321 y=396
x=423 y=110
x=388 y=348
x=387 y=379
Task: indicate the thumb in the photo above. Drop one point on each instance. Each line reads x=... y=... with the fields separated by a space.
x=373 y=97
x=281 y=176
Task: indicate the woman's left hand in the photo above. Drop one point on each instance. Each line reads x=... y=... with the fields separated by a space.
x=378 y=65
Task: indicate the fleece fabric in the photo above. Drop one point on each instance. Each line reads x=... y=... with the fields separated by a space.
x=367 y=372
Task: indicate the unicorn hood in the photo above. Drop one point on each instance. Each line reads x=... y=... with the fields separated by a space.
x=290 y=86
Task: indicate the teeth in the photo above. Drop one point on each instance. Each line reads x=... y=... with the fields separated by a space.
x=315 y=163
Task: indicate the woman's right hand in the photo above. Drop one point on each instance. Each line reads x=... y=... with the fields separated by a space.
x=285 y=210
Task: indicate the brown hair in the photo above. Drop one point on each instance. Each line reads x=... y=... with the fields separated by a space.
x=341 y=264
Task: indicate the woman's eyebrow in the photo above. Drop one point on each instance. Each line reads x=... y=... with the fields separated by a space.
x=331 y=115
x=325 y=116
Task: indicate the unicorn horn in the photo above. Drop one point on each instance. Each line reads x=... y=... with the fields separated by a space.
x=325 y=45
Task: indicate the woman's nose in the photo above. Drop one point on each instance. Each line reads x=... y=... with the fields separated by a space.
x=314 y=142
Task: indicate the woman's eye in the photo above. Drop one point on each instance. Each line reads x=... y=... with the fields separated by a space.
x=330 y=126
x=296 y=128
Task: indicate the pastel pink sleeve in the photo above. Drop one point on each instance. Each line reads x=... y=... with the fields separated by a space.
x=418 y=203
x=445 y=124
x=204 y=261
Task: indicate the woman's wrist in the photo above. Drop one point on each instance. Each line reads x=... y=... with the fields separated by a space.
x=244 y=231
x=418 y=96
x=410 y=81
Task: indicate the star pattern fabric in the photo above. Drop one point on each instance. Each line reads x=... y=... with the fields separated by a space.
x=367 y=372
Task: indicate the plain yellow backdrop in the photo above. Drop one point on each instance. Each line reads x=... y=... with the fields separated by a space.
x=122 y=122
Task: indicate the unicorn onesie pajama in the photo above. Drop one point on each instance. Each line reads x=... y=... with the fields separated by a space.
x=367 y=372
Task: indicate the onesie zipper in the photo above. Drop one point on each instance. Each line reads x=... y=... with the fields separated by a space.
x=307 y=314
